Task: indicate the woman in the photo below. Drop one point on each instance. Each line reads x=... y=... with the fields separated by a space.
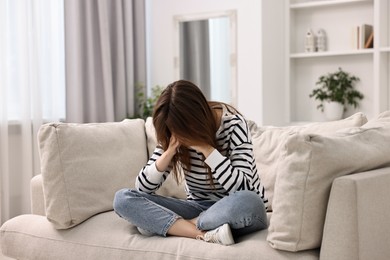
x=209 y=143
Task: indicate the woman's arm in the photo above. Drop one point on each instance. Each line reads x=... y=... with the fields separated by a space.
x=155 y=172
x=237 y=170
x=164 y=161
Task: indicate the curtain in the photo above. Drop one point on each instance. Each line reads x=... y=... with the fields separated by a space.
x=195 y=54
x=105 y=58
x=32 y=88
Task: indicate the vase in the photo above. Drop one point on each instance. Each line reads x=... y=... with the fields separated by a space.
x=333 y=110
x=321 y=40
x=310 y=41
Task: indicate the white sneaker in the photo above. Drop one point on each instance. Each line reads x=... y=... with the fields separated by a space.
x=221 y=235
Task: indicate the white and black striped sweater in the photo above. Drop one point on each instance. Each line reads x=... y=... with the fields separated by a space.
x=233 y=167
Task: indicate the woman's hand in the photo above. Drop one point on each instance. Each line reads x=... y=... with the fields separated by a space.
x=165 y=159
x=173 y=145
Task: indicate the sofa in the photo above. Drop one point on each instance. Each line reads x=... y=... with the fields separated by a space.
x=327 y=184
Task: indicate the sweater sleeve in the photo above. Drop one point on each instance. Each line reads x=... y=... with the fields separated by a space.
x=149 y=179
x=236 y=170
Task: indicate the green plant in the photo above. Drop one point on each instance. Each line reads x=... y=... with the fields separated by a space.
x=146 y=103
x=337 y=87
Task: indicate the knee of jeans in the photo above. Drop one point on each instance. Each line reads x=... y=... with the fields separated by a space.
x=249 y=202
x=120 y=200
x=251 y=210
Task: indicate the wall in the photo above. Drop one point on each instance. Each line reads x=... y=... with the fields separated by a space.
x=273 y=57
x=160 y=38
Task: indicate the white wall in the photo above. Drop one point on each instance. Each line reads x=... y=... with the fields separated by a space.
x=160 y=21
x=273 y=57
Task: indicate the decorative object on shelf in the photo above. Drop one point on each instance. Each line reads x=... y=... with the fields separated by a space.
x=367 y=36
x=310 y=41
x=337 y=87
x=363 y=36
x=321 y=40
x=370 y=41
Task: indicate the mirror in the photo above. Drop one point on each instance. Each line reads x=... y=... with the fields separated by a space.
x=206 y=53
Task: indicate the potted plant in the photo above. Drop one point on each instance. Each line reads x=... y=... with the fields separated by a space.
x=336 y=91
x=145 y=103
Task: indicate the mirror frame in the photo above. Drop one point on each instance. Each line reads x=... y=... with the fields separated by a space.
x=232 y=15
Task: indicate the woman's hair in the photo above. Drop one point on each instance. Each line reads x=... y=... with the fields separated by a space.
x=182 y=110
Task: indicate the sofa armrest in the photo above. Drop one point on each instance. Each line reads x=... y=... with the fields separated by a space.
x=357 y=219
x=37 y=198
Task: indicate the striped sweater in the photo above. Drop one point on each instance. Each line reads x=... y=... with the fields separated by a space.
x=233 y=166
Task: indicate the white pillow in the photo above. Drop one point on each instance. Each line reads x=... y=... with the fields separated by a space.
x=268 y=142
x=83 y=165
x=307 y=167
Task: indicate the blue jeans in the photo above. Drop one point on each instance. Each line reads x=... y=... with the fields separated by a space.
x=244 y=211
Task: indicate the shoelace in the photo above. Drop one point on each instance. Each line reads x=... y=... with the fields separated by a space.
x=209 y=237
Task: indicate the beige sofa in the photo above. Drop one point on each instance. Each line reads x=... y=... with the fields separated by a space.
x=328 y=185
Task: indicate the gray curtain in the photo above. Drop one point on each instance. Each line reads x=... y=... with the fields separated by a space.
x=195 y=54
x=105 y=58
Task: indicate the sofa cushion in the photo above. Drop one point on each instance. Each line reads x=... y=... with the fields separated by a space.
x=83 y=165
x=269 y=141
x=106 y=236
x=307 y=166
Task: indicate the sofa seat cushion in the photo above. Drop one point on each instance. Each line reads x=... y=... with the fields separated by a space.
x=106 y=236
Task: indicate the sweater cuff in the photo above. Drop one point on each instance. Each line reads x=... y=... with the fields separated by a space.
x=153 y=174
x=214 y=159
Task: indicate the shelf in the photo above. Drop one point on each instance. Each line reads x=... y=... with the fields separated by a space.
x=370 y=65
x=331 y=53
x=385 y=49
x=326 y=3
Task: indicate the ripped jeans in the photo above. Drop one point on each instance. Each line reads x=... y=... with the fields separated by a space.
x=244 y=211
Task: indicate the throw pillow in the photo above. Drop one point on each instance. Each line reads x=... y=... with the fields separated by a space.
x=268 y=142
x=307 y=166
x=83 y=165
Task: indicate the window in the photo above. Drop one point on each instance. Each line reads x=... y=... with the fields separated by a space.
x=32 y=72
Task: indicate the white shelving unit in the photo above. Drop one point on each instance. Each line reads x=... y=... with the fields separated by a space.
x=338 y=18
x=310 y=4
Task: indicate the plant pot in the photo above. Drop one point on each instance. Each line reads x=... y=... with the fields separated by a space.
x=333 y=110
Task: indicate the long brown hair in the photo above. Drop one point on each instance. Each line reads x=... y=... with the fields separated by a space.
x=183 y=110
